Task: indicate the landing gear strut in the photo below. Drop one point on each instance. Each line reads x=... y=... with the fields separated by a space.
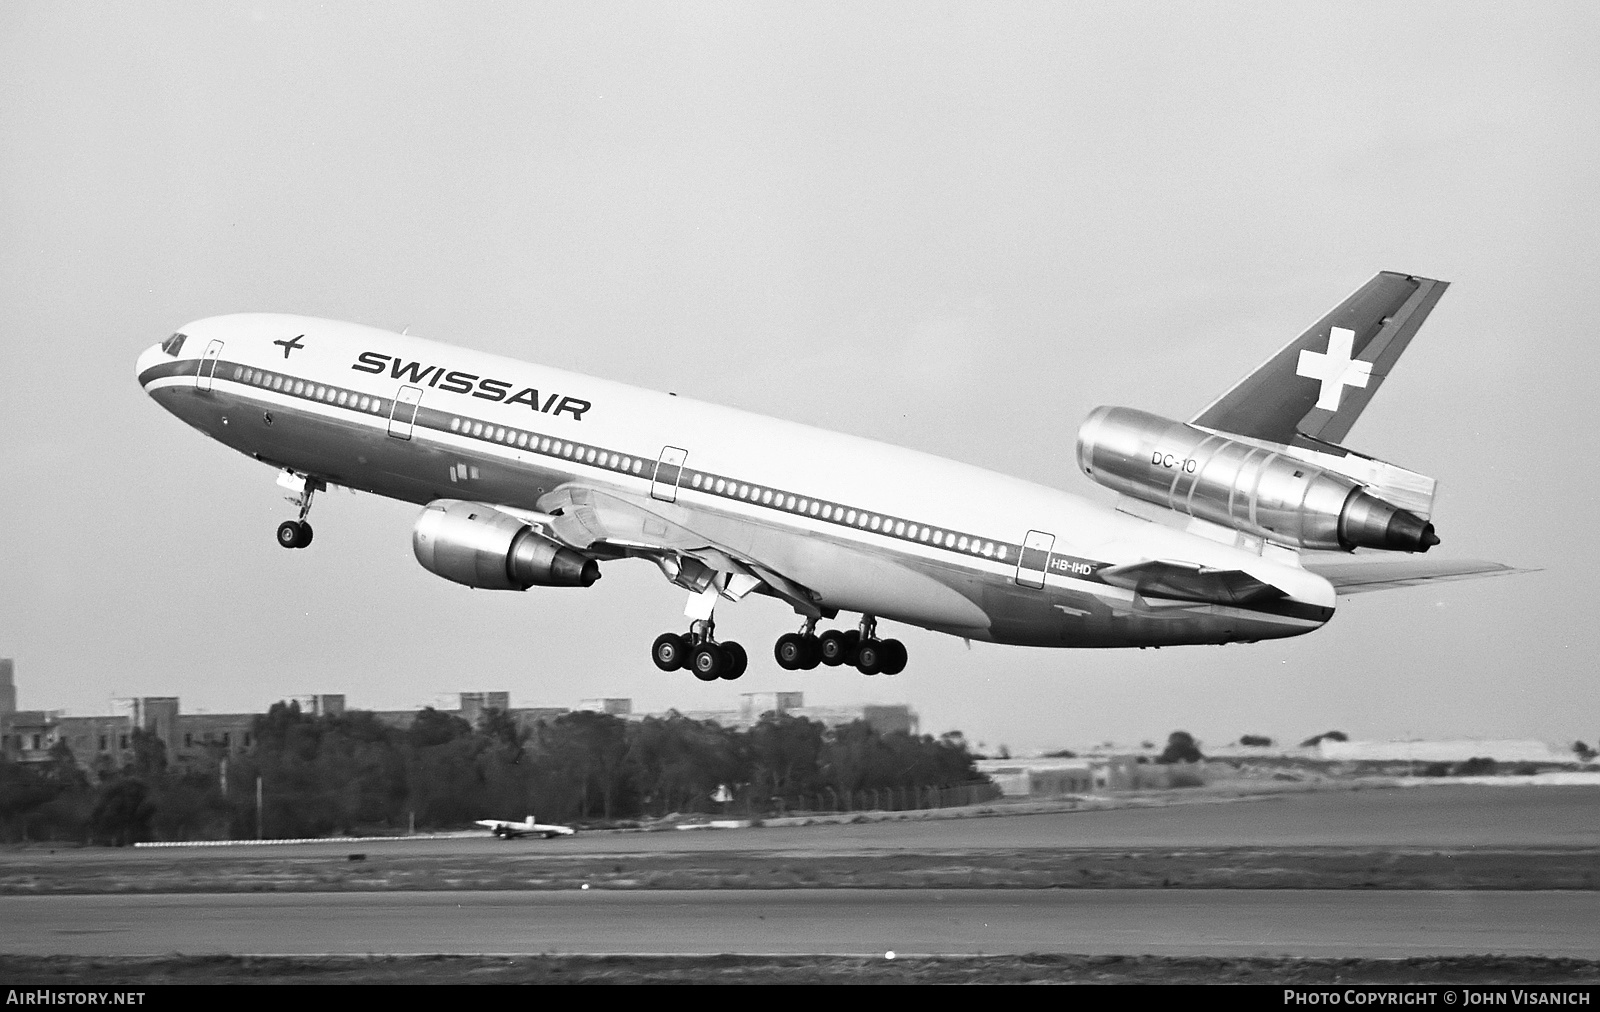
x=297 y=533
x=699 y=651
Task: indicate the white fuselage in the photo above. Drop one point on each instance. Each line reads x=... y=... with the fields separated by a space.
x=867 y=527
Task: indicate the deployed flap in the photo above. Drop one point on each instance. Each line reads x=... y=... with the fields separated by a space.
x=1318 y=384
x=1362 y=571
x=1187 y=581
x=582 y=516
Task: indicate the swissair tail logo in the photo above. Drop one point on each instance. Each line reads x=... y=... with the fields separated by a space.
x=1337 y=369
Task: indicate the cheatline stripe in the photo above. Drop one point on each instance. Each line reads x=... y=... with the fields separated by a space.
x=559 y=448
x=689 y=479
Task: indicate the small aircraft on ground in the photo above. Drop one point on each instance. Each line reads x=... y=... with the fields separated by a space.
x=516 y=830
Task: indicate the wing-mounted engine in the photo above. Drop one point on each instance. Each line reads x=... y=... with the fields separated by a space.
x=1271 y=491
x=479 y=546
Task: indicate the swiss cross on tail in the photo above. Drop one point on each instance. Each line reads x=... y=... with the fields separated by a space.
x=1350 y=351
x=1337 y=369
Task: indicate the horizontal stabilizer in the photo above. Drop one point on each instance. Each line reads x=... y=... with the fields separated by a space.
x=1363 y=572
x=1186 y=581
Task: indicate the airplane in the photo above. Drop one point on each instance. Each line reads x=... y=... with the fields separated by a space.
x=517 y=830
x=1245 y=523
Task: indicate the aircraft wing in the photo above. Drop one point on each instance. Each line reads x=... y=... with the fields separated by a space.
x=1361 y=572
x=587 y=518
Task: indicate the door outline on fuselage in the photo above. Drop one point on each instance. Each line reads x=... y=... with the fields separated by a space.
x=1034 y=559
x=668 y=473
x=206 y=370
x=403 y=412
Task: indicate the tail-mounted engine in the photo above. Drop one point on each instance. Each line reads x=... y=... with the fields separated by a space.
x=482 y=547
x=1260 y=489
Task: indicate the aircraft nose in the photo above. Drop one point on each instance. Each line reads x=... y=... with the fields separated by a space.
x=149 y=358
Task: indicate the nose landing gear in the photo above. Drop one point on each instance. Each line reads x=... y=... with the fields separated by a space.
x=297 y=533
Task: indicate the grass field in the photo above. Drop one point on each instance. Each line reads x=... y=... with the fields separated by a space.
x=280 y=870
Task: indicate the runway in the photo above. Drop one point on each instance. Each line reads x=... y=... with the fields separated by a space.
x=841 y=922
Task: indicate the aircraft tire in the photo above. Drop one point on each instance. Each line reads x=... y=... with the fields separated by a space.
x=305 y=535
x=833 y=647
x=289 y=534
x=894 y=657
x=709 y=662
x=852 y=643
x=790 y=651
x=670 y=652
x=738 y=660
x=869 y=657
x=813 y=653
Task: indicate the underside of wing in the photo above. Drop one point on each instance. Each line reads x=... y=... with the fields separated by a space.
x=1189 y=582
x=624 y=525
x=1361 y=572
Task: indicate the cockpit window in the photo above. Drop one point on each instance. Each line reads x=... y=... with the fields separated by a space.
x=173 y=344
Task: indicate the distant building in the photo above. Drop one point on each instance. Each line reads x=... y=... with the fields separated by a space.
x=329 y=704
x=1094 y=774
x=617 y=707
x=30 y=734
x=883 y=718
x=1043 y=778
x=752 y=705
x=1445 y=751
x=473 y=704
x=105 y=741
x=8 y=686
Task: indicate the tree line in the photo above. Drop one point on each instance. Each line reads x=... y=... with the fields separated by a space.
x=352 y=773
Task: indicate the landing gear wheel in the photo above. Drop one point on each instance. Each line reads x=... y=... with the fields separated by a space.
x=813 y=653
x=670 y=652
x=869 y=657
x=852 y=643
x=738 y=660
x=894 y=657
x=790 y=651
x=834 y=647
x=709 y=662
x=294 y=534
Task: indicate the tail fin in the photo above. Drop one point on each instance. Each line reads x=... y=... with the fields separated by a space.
x=1312 y=391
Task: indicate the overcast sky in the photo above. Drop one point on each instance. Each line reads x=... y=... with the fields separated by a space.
x=951 y=227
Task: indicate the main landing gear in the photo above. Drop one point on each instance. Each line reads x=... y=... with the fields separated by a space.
x=859 y=648
x=699 y=651
x=297 y=533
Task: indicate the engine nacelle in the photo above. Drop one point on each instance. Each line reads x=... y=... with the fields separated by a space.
x=482 y=547
x=1263 y=492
